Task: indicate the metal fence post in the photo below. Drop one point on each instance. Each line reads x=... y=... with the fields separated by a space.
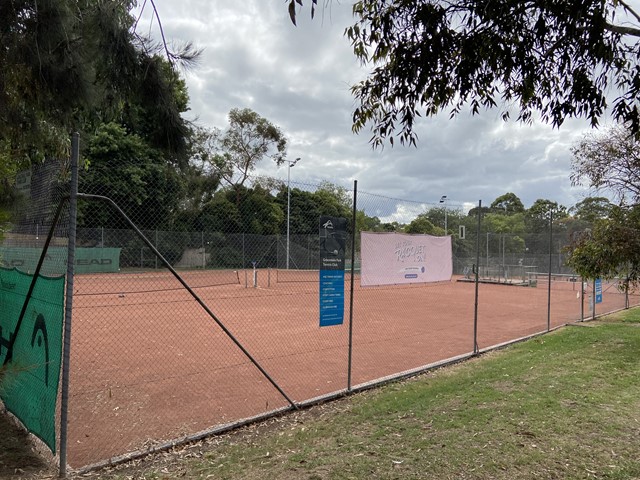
x=64 y=401
x=581 y=299
x=475 y=311
x=550 y=263
x=593 y=299
x=156 y=258
x=204 y=251
x=353 y=256
x=626 y=293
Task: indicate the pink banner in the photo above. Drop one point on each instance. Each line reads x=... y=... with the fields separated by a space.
x=397 y=258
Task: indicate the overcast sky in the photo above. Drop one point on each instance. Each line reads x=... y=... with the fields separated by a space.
x=299 y=79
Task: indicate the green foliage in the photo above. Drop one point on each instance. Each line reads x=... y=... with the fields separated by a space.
x=538 y=215
x=365 y=223
x=611 y=248
x=220 y=215
x=609 y=160
x=249 y=139
x=507 y=204
x=422 y=224
x=592 y=209
x=292 y=9
x=559 y=59
x=72 y=65
x=500 y=223
x=125 y=168
x=483 y=211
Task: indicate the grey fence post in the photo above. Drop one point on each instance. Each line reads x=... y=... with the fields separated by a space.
x=593 y=299
x=156 y=258
x=353 y=256
x=487 y=248
x=550 y=263
x=204 y=251
x=477 y=267
x=71 y=252
x=626 y=293
x=581 y=299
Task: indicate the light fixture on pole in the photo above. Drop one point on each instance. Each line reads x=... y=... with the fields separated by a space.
x=443 y=200
x=291 y=164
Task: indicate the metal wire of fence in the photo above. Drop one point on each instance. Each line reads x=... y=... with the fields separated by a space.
x=186 y=323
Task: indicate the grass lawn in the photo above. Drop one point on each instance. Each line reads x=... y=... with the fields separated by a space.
x=564 y=405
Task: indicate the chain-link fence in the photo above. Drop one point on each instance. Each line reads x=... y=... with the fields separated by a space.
x=34 y=257
x=190 y=320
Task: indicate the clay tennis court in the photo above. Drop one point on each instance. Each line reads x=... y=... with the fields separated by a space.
x=149 y=365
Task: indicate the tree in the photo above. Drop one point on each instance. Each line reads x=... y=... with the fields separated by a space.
x=540 y=211
x=609 y=160
x=202 y=179
x=474 y=211
x=611 y=247
x=591 y=209
x=71 y=65
x=507 y=204
x=421 y=224
x=68 y=63
x=249 y=139
x=133 y=174
x=307 y=207
x=557 y=58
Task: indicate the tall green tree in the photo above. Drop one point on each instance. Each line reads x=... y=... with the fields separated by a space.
x=249 y=139
x=507 y=204
x=556 y=58
x=611 y=246
x=422 y=224
x=307 y=207
x=591 y=209
x=69 y=63
x=608 y=160
x=136 y=176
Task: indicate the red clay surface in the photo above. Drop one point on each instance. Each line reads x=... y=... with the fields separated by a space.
x=149 y=365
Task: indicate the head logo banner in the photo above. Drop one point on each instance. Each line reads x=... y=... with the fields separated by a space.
x=398 y=258
x=29 y=384
x=333 y=239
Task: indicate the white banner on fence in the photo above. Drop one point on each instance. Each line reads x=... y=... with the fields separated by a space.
x=396 y=258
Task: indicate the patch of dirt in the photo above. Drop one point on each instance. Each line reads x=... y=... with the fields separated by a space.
x=19 y=456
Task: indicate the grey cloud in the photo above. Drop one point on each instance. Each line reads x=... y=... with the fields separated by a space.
x=299 y=78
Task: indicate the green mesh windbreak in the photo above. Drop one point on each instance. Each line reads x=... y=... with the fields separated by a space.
x=87 y=260
x=29 y=381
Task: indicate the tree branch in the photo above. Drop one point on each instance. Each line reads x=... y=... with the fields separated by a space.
x=164 y=40
x=634 y=32
x=629 y=9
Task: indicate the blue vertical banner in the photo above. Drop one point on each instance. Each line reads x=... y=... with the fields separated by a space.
x=598 y=285
x=333 y=238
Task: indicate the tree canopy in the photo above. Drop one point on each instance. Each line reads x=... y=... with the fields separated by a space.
x=249 y=139
x=507 y=204
x=608 y=160
x=69 y=65
x=559 y=59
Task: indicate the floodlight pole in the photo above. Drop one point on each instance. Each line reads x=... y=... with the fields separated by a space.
x=443 y=200
x=291 y=164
